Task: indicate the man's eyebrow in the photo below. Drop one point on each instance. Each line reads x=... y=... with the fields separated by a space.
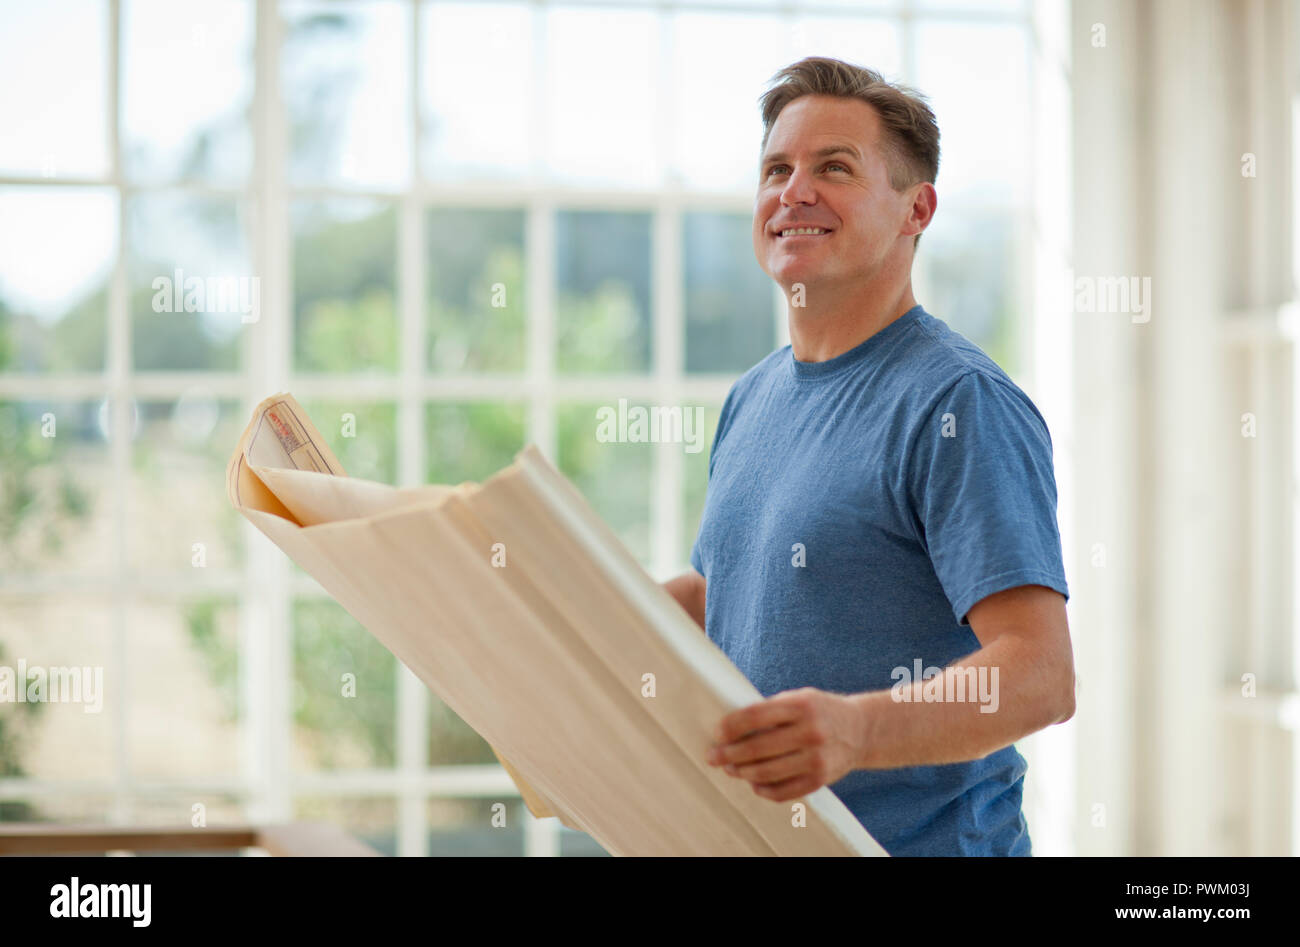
x=820 y=153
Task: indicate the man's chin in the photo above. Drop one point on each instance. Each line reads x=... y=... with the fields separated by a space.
x=791 y=274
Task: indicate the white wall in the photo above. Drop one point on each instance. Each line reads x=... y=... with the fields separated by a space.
x=1193 y=518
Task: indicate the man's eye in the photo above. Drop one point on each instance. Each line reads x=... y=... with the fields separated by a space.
x=781 y=167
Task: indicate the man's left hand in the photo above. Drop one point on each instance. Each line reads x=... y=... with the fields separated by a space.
x=791 y=744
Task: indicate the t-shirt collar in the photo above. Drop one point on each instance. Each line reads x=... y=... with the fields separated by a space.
x=813 y=370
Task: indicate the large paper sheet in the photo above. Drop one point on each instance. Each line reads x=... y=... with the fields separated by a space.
x=516 y=604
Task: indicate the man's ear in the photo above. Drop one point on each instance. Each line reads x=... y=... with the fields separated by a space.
x=925 y=201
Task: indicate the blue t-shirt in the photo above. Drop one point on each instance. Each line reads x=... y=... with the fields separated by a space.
x=856 y=509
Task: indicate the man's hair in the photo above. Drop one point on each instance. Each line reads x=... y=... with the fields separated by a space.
x=910 y=134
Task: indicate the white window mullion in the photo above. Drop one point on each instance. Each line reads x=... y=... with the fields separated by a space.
x=666 y=483
x=541 y=836
x=539 y=257
x=266 y=616
x=667 y=327
x=412 y=697
x=1051 y=785
x=540 y=276
x=121 y=418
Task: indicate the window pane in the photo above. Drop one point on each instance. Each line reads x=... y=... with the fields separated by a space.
x=60 y=740
x=974 y=74
x=471 y=441
x=187 y=89
x=193 y=291
x=183 y=711
x=345 y=286
x=345 y=682
x=603 y=288
x=735 y=3
x=56 y=509
x=730 y=311
x=178 y=810
x=50 y=807
x=695 y=472
x=54 y=70
x=369 y=820
x=179 y=445
x=476 y=290
x=346 y=84
x=603 y=75
x=997 y=6
x=855 y=4
x=57 y=249
x=574 y=844
x=451 y=740
x=613 y=477
x=874 y=43
x=715 y=98
x=363 y=435
x=473 y=828
x=494 y=44
x=970 y=267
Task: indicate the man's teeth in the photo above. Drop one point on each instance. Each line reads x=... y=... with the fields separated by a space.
x=802 y=230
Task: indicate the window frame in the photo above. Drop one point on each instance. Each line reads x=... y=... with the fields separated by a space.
x=264 y=586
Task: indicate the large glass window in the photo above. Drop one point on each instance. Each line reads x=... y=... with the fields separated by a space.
x=450 y=229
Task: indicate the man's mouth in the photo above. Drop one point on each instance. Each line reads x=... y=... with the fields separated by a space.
x=802 y=232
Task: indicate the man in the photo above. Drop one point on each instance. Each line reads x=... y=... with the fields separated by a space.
x=881 y=502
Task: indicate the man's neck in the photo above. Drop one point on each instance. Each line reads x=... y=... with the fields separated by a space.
x=843 y=321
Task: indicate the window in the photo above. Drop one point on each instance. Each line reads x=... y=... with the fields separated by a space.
x=468 y=226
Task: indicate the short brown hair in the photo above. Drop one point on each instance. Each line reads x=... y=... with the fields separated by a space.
x=910 y=132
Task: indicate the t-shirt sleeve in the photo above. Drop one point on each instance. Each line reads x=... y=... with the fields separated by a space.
x=696 y=562
x=724 y=419
x=984 y=493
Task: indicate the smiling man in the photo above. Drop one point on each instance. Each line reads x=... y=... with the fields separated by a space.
x=881 y=501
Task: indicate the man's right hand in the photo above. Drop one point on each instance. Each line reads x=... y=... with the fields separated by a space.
x=689 y=590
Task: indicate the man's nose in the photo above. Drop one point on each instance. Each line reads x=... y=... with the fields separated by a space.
x=799 y=189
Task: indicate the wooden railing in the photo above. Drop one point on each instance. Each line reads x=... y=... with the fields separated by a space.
x=296 y=839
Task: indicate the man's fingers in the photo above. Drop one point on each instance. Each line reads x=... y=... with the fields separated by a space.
x=776 y=769
x=761 y=716
x=788 y=789
x=765 y=745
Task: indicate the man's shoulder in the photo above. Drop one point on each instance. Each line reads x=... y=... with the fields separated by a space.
x=764 y=372
x=768 y=366
x=936 y=356
x=929 y=355
x=935 y=363
x=930 y=361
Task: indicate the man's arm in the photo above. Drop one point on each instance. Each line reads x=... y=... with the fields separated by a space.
x=689 y=588
x=1025 y=638
x=797 y=741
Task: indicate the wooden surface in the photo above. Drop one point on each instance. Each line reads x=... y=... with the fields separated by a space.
x=546 y=656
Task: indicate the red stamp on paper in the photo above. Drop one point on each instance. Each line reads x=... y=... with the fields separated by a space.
x=288 y=438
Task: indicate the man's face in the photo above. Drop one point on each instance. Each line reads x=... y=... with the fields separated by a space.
x=823 y=167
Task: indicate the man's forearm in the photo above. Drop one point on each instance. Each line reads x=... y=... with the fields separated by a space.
x=688 y=589
x=1030 y=692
